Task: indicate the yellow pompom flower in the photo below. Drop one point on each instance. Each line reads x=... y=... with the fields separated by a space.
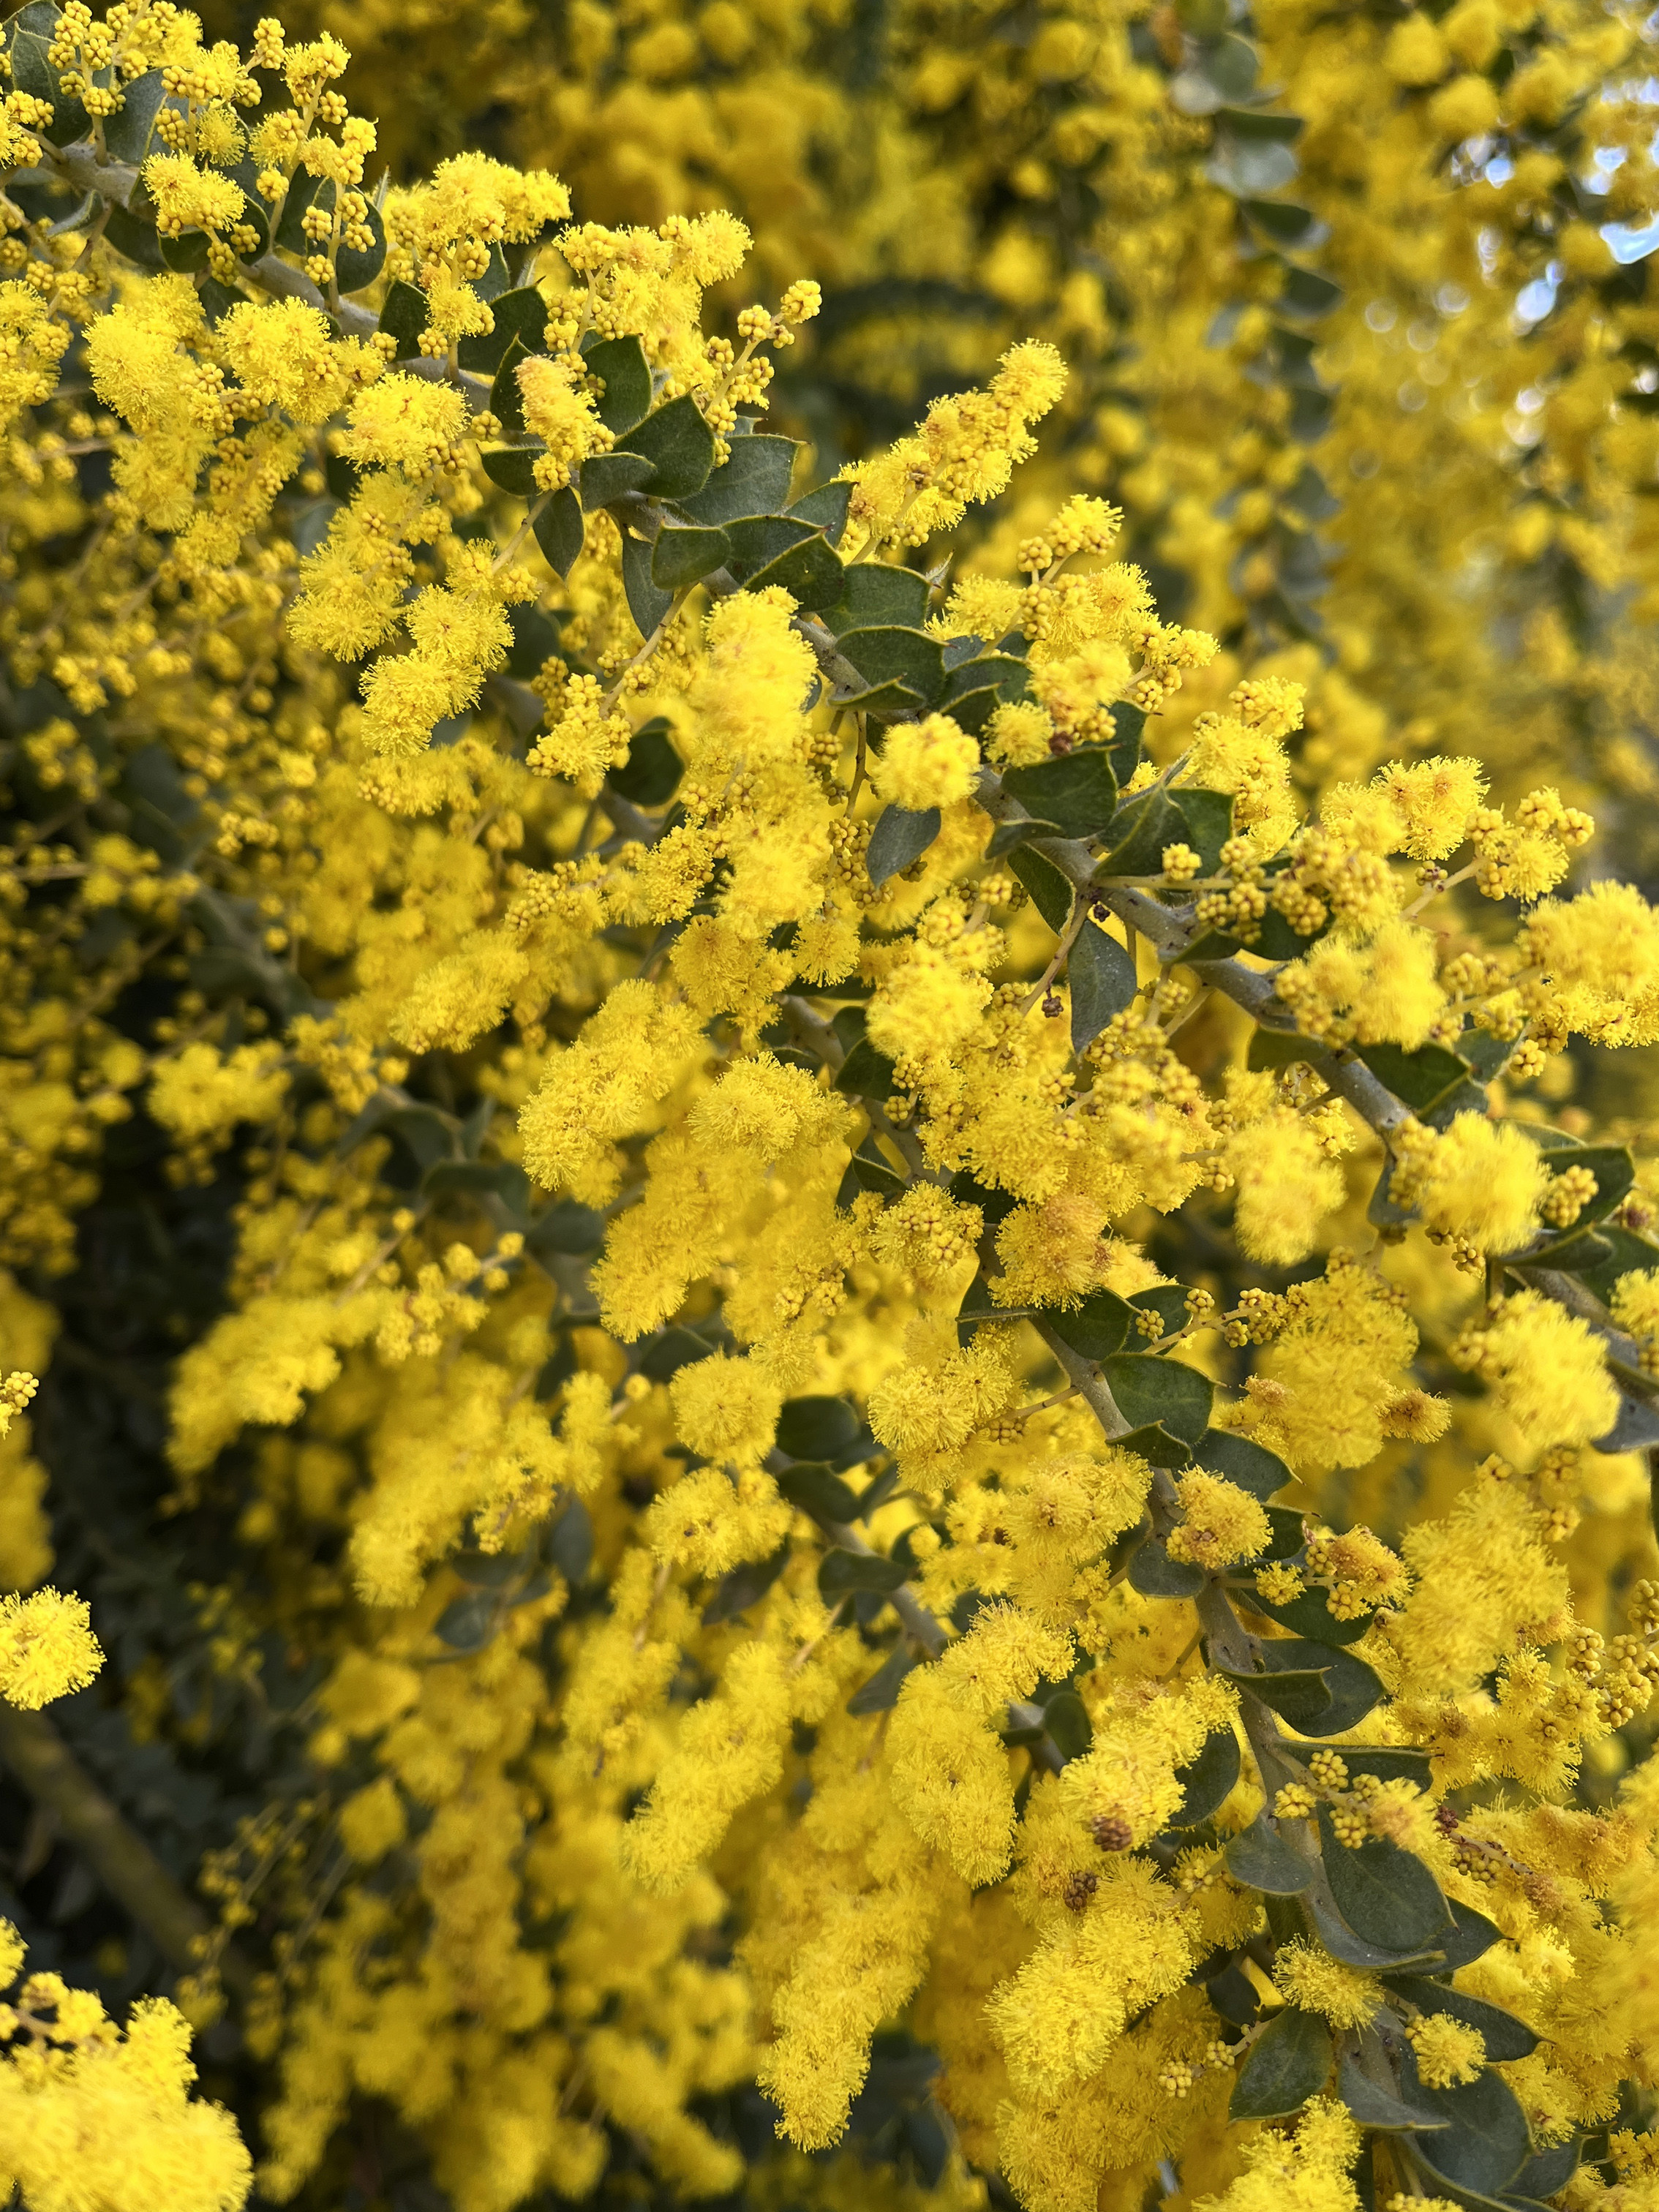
x=47 y=1648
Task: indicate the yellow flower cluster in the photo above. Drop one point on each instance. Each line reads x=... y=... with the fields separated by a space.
x=854 y=1184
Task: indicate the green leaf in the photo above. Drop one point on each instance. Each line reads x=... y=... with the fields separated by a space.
x=34 y=73
x=1487 y=2143
x=745 y=1586
x=810 y=572
x=133 y=238
x=1078 y=790
x=1273 y=1049
x=877 y=596
x=479 y=1179
x=567 y=1226
x=1051 y=893
x=1156 y=1444
x=974 y=689
x=880 y=1692
x=1340 y=1940
x=899 y=837
x=1007 y=835
x=685 y=554
x=354 y=271
x=520 y=314
x=1345 y=1690
x=1284 y=224
x=871 y=1173
x=1298 y=1693
x=1149 y=1388
x=1262 y=1473
x=818 y=1427
x=513 y=468
x=506 y=400
x=841 y=1572
x=1169 y=1301
x=1420 y=1079
x=756 y=540
x=1629 y=1253
x=1374 y=2106
x=1262 y=1859
x=429 y=1135
x=1615 y=1174
x=495 y=278
x=1354 y=1689
x=817 y=1489
x=890 y=654
x=1289 y=2063
x=865 y=1072
x=1155 y=1574
x=754 y=481
x=1096 y=1328
x=404 y=313
x=1505 y=2037
x=218 y=300
x=1290 y=1533
x=669 y=1351
x=490 y=1570
x=1310 y=1616
x=1260 y=123
x=558 y=531
x=1386 y=1895
x=651 y=774
x=1066 y=1723
x=606 y=476
x=1389 y=1763
x=621 y=367
x=1547 y=2172
x=1209 y=818
x=1142 y=827
x=826 y=509
x=466 y=1624
x=647 y=602
x=680 y=446
x=187 y=254
x=127 y=135
x=1208 y=1781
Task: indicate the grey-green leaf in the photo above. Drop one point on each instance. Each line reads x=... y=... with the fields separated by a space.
x=1101 y=973
x=606 y=476
x=558 y=531
x=1260 y=1858
x=1066 y=1719
x=817 y=1489
x=899 y=837
x=1098 y=1326
x=513 y=468
x=1208 y=1779
x=1374 y=2106
x=1051 y=894
x=875 y=595
x=685 y=554
x=647 y=602
x=754 y=481
x=1149 y=1388
x=882 y=1689
x=1260 y=1472
x=1289 y=2063
x=680 y=446
x=1078 y=790
x=621 y=366
x=1385 y=1894
x=841 y=1572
